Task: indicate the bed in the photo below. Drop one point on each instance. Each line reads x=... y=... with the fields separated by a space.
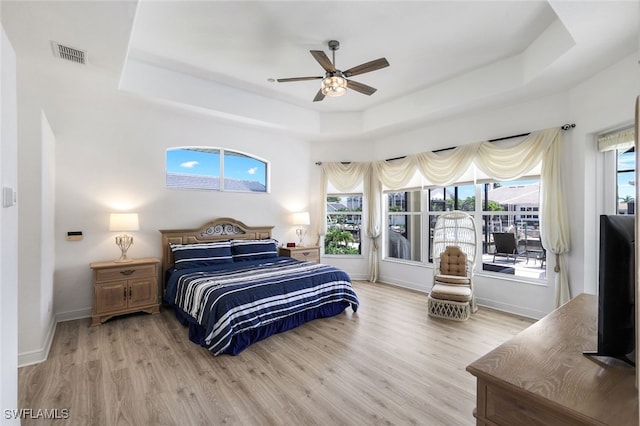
x=227 y=284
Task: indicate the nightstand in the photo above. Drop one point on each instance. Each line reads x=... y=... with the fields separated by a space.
x=121 y=288
x=309 y=253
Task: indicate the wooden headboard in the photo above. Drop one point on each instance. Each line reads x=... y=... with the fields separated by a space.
x=222 y=229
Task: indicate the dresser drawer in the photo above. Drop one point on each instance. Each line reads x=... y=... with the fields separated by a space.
x=125 y=272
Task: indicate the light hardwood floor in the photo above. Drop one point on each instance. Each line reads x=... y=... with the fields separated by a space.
x=389 y=363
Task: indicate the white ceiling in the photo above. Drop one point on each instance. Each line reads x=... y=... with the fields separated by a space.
x=445 y=57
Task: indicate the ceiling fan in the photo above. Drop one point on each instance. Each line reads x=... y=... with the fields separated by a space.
x=335 y=82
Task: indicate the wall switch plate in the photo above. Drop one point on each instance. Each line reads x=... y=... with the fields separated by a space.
x=74 y=236
x=9 y=196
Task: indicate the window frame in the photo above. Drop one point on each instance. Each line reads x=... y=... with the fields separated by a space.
x=222 y=154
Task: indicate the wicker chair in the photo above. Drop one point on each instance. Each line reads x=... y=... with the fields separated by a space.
x=454 y=253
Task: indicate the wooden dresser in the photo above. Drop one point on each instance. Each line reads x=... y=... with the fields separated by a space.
x=310 y=253
x=121 y=288
x=541 y=377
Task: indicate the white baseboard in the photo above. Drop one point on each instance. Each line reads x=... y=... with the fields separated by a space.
x=73 y=315
x=39 y=355
x=404 y=284
x=511 y=309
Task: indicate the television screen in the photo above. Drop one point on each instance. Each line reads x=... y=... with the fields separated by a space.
x=616 y=288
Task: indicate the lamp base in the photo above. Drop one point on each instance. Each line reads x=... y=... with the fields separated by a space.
x=301 y=233
x=124 y=241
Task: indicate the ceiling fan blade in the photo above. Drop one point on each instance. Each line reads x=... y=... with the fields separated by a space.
x=359 y=87
x=319 y=96
x=323 y=60
x=284 y=80
x=366 y=67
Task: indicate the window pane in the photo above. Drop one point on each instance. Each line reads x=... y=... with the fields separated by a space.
x=243 y=173
x=465 y=198
x=193 y=168
x=344 y=222
x=407 y=201
x=403 y=237
x=626 y=166
x=437 y=200
x=511 y=241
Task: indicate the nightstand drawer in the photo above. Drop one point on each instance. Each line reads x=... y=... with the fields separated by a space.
x=125 y=272
x=308 y=255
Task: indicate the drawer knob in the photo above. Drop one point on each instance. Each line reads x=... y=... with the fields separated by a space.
x=128 y=272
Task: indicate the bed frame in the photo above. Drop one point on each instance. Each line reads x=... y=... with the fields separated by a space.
x=221 y=229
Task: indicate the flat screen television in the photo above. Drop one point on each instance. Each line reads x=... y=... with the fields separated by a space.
x=616 y=288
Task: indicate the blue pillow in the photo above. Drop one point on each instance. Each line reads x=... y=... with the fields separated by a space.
x=187 y=256
x=253 y=249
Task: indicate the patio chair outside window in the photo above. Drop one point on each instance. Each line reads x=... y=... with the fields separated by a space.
x=505 y=245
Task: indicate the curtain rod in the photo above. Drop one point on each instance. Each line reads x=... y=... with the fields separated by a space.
x=565 y=127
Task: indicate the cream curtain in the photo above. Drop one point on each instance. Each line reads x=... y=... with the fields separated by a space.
x=444 y=168
x=554 y=216
x=497 y=161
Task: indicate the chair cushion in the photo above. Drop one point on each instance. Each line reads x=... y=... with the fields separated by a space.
x=455 y=293
x=452 y=279
x=453 y=261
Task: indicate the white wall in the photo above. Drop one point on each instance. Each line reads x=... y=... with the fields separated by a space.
x=36 y=259
x=8 y=232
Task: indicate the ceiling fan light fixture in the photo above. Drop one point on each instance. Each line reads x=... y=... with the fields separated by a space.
x=334 y=86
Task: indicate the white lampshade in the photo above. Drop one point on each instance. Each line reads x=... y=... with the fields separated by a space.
x=121 y=222
x=301 y=218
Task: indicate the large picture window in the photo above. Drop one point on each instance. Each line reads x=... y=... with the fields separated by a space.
x=215 y=169
x=344 y=224
x=507 y=220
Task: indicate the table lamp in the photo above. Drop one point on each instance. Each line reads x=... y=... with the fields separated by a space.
x=122 y=222
x=301 y=219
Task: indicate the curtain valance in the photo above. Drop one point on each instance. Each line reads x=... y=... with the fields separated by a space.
x=621 y=139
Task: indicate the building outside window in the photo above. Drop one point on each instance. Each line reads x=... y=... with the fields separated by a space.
x=344 y=224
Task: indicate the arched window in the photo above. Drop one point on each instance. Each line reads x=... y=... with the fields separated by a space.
x=215 y=169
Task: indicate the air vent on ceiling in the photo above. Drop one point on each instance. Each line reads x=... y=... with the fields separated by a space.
x=69 y=53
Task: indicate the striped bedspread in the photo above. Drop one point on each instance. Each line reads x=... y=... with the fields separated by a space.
x=228 y=302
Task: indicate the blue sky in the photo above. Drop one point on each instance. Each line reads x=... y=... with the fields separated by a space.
x=208 y=164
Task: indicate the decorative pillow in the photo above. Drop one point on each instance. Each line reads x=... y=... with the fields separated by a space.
x=186 y=256
x=253 y=249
